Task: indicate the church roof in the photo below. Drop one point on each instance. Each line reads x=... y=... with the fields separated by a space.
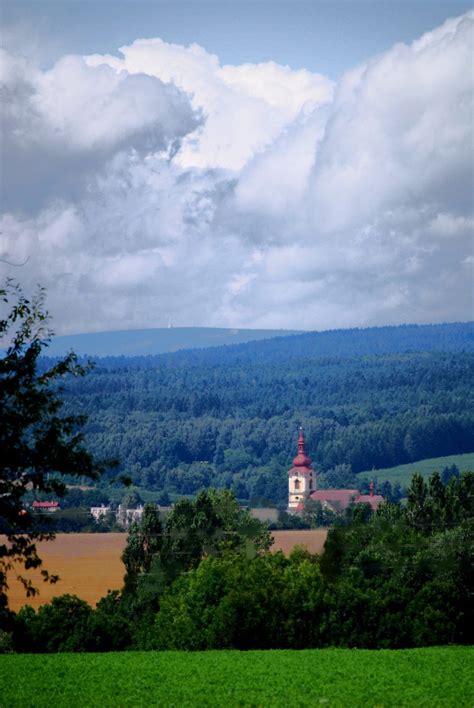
x=373 y=499
x=337 y=497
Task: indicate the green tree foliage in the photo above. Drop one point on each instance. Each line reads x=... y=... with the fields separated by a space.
x=433 y=506
x=315 y=515
x=132 y=499
x=39 y=442
x=70 y=624
x=449 y=472
x=338 y=477
x=144 y=542
x=83 y=498
x=212 y=525
x=109 y=627
x=62 y=625
x=240 y=602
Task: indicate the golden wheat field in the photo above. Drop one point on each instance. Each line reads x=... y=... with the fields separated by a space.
x=89 y=564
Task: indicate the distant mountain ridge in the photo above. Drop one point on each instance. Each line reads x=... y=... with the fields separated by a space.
x=146 y=342
x=188 y=345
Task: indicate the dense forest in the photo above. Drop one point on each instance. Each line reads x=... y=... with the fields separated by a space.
x=228 y=416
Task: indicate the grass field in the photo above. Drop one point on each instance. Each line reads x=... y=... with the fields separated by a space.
x=403 y=473
x=89 y=564
x=325 y=677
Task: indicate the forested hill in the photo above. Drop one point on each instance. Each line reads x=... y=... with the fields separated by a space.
x=340 y=343
x=229 y=416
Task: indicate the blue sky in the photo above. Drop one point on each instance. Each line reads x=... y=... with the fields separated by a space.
x=300 y=165
x=328 y=36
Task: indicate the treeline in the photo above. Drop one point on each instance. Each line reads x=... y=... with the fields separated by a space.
x=180 y=427
x=204 y=578
x=338 y=343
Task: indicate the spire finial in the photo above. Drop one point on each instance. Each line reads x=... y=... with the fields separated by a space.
x=301 y=442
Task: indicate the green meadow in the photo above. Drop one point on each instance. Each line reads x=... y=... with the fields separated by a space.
x=440 y=676
x=403 y=473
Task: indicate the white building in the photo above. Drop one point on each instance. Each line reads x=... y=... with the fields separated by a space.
x=99 y=511
x=125 y=517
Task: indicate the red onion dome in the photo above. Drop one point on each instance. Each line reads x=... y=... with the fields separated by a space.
x=302 y=459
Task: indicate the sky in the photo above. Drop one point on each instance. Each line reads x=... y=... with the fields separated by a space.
x=239 y=164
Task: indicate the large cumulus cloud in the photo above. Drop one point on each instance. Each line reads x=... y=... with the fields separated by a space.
x=160 y=185
x=59 y=126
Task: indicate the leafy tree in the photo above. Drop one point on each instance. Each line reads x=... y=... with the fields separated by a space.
x=289 y=521
x=84 y=498
x=144 y=541
x=132 y=499
x=157 y=553
x=210 y=525
x=434 y=507
x=448 y=473
x=316 y=515
x=164 y=499
x=39 y=443
x=62 y=625
x=384 y=580
x=227 y=602
x=386 y=490
x=339 y=477
x=109 y=628
x=418 y=510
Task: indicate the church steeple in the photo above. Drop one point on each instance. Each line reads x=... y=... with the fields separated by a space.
x=301 y=477
x=302 y=459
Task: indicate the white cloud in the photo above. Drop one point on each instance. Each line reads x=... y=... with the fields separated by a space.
x=74 y=106
x=246 y=107
x=253 y=195
x=400 y=130
x=59 y=126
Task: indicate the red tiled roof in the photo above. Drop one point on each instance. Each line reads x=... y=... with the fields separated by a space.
x=300 y=470
x=45 y=504
x=337 y=497
x=373 y=499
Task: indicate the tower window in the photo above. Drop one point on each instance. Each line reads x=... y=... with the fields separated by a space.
x=297 y=484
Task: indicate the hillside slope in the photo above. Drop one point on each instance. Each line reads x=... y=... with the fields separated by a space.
x=145 y=342
x=339 y=343
x=402 y=474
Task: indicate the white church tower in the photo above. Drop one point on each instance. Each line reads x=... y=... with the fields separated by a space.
x=301 y=477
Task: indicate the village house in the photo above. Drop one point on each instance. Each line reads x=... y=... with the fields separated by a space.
x=48 y=506
x=98 y=512
x=125 y=517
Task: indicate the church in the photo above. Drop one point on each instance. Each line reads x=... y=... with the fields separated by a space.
x=302 y=485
